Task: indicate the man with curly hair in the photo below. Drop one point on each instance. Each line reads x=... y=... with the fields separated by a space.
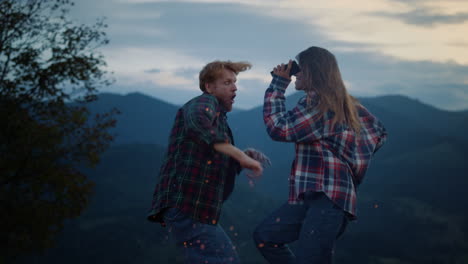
x=199 y=170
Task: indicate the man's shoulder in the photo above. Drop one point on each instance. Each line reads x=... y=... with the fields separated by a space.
x=204 y=98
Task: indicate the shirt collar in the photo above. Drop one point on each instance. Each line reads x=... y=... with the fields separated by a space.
x=219 y=107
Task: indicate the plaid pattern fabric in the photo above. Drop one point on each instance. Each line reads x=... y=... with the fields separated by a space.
x=327 y=159
x=194 y=177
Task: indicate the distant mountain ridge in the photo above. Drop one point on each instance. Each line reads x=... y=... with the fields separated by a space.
x=411 y=205
x=146 y=119
x=415 y=130
x=143 y=119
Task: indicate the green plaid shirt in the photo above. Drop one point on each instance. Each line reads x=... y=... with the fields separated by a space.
x=194 y=177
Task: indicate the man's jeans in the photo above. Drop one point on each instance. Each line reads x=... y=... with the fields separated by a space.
x=316 y=224
x=201 y=243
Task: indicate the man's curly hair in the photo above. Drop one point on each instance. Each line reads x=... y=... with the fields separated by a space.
x=212 y=70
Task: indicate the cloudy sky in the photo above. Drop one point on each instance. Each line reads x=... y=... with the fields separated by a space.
x=417 y=48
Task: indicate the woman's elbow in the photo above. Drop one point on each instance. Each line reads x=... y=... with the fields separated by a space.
x=277 y=134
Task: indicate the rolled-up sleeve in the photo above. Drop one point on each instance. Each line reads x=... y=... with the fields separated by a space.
x=296 y=125
x=202 y=120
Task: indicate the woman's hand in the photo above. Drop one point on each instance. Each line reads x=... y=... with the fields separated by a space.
x=283 y=71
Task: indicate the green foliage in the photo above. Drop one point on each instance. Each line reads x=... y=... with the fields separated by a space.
x=49 y=71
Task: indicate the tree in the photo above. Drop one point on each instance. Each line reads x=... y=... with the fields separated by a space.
x=50 y=70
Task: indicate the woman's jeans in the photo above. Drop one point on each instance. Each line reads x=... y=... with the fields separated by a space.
x=316 y=224
x=201 y=243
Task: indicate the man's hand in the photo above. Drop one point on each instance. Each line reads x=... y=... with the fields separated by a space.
x=247 y=162
x=258 y=156
x=280 y=70
x=244 y=160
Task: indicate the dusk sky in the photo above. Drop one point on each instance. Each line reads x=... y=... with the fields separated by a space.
x=417 y=48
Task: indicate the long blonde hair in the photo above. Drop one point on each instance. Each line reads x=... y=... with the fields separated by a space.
x=323 y=77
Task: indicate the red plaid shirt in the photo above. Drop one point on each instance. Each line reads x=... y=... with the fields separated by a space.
x=330 y=160
x=194 y=177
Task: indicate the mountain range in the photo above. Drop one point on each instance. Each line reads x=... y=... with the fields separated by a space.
x=411 y=205
x=423 y=140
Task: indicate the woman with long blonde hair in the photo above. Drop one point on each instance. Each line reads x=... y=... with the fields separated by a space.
x=335 y=138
